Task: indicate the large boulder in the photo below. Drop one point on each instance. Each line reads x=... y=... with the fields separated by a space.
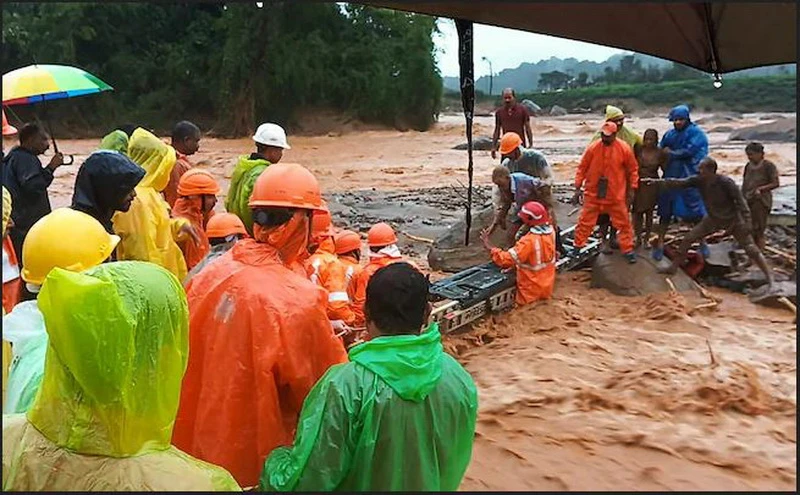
x=719 y=118
x=613 y=273
x=782 y=130
x=558 y=111
x=480 y=143
x=449 y=254
x=532 y=107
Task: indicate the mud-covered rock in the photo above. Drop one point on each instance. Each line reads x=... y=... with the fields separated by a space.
x=480 y=143
x=449 y=253
x=613 y=273
x=558 y=111
x=782 y=130
x=769 y=296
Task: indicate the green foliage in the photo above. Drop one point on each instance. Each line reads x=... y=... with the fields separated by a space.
x=765 y=94
x=231 y=68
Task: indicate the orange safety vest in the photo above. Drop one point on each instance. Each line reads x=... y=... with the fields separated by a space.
x=534 y=257
x=326 y=270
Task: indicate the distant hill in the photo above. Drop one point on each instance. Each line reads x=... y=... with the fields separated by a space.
x=525 y=78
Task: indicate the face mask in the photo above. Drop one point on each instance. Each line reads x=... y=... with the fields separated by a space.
x=290 y=239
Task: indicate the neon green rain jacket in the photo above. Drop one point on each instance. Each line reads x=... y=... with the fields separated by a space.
x=242 y=182
x=103 y=417
x=400 y=416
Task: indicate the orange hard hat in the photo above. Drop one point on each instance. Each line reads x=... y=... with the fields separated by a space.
x=8 y=129
x=222 y=225
x=347 y=241
x=321 y=222
x=533 y=213
x=287 y=185
x=197 y=181
x=509 y=142
x=381 y=234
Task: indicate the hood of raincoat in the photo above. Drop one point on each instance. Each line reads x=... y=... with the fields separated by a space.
x=103 y=181
x=613 y=112
x=241 y=187
x=6 y=209
x=410 y=364
x=115 y=141
x=155 y=156
x=117 y=353
x=679 y=112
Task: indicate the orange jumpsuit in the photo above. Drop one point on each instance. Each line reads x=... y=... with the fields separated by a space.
x=359 y=284
x=182 y=165
x=191 y=209
x=616 y=162
x=11 y=288
x=534 y=257
x=326 y=270
x=259 y=340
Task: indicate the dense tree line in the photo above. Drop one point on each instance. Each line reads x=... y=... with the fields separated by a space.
x=232 y=66
x=629 y=70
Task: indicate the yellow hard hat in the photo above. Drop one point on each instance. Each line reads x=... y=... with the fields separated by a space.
x=65 y=238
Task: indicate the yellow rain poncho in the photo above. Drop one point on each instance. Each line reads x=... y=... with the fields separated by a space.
x=103 y=417
x=625 y=133
x=147 y=232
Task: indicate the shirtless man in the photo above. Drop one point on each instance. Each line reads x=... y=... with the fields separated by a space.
x=726 y=210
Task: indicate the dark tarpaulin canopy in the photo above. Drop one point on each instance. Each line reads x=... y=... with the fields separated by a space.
x=715 y=37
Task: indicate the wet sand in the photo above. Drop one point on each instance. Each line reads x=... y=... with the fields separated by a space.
x=588 y=391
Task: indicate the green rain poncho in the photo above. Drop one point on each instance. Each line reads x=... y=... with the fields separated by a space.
x=242 y=182
x=115 y=141
x=103 y=417
x=400 y=416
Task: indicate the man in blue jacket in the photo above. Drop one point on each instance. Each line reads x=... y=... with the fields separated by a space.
x=686 y=144
x=400 y=416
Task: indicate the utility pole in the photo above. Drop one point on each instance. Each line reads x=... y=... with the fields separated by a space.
x=491 y=73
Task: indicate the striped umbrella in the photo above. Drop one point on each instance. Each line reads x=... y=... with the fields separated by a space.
x=42 y=83
x=36 y=83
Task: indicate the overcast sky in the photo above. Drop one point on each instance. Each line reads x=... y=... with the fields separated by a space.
x=502 y=47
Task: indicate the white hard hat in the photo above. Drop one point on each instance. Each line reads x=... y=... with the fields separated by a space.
x=271 y=135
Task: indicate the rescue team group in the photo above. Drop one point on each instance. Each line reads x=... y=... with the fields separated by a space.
x=618 y=178
x=158 y=346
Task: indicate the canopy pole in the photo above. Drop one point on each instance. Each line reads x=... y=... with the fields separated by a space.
x=467 y=81
x=712 y=41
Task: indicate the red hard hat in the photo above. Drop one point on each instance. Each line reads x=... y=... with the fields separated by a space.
x=286 y=185
x=224 y=224
x=381 y=234
x=534 y=213
x=196 y=182
x=347 y=241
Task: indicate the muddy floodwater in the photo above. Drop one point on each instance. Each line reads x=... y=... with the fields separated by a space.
x=588 y=391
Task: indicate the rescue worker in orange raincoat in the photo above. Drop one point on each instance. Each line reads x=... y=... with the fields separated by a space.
x=197 y=196
x=609 y=173
x=383 y=251
x=348 y=249
x=259 y=333
x=223 y=231
x=533 y=256
x=325 y=270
